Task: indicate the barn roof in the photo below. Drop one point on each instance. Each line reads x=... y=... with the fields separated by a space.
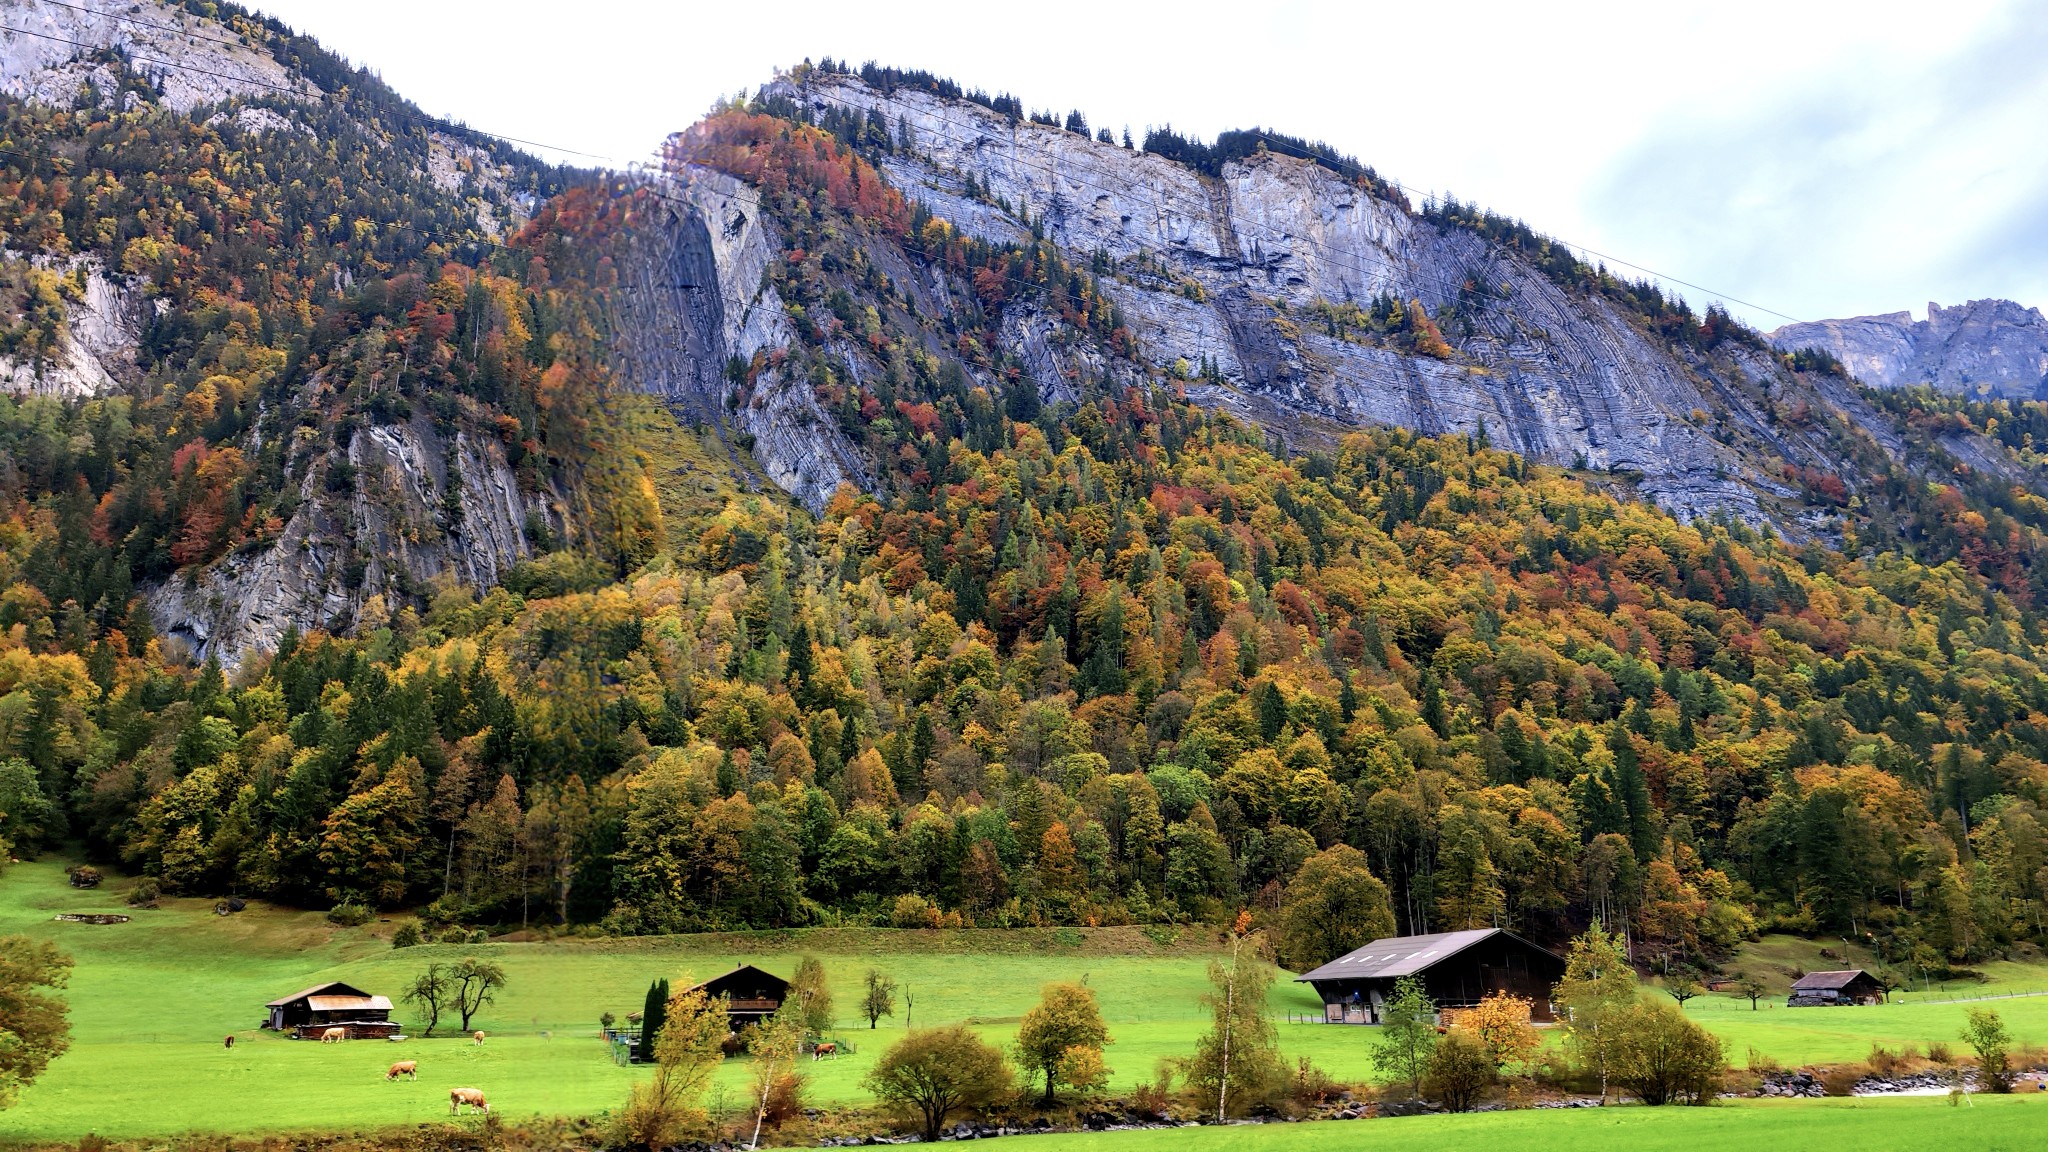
x=1822 y=981
x=1395 y=956
x=348 y=1003
x=331 y=988
x=738 y=970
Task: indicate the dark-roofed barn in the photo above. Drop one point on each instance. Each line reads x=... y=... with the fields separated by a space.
x=1458 y=969
x=753 y=994
x=331 y=1005
x=1824 y=989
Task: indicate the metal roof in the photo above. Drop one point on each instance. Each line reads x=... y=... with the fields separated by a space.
x=348 y=990
x=1396 y=956
x=1818 y=981
x=347 y=1003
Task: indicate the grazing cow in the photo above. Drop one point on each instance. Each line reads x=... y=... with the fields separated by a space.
x=229 y=1042
x=333 y=1035
x=403 y=1068
x=825 y=1049
x=479 y=1036
x=474 y=1097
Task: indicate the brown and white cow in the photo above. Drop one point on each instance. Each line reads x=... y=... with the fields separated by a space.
x=479 y=1036
x=825 y=1049
x=333 y=1035
x=403 y=1068
x=474 y=1097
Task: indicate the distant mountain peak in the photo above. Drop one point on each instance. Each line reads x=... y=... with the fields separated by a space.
x=1998 y=347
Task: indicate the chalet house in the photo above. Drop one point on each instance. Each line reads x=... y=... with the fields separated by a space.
x=1457 y=969
x=1826 y=989
x=752 y=994
x=332 y=1005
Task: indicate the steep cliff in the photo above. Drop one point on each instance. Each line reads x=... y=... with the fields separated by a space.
x=262 y=293
x=1989 y=347
x=1259 y=275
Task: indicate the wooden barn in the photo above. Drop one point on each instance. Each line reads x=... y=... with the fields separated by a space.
x=1829 y=989
x=1457 y=969
x=752 y=994
x=332 y=1005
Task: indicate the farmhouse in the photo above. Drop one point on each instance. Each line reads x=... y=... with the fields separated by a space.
x=752 y=994
x=1457 y=969
x=332 y=1005
x=1826 y=989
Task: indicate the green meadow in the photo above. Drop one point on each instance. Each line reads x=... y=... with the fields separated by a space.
x=152 y=999
x=1912 y=1124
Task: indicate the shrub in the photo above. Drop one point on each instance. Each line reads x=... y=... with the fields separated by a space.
x=1459 y=1072
x=1663 y=1057
x=1763 y=1063
x=1884 y=1062
x=407 y=936
x=1939 y=1052
x=1311 y=1085
x=144 y=894
x=914 y=911
x=936 y=1072
x=1986 y=1032
x=1840 y=1081
x=349 y=915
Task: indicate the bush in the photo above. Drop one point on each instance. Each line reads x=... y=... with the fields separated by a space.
x=1762 y=1063
x=1459 y=1072
x=1885 y=1062
x=407 y=936
x=349 y=915
x=144 y=894
x=1840 y=1081
x=1941 y=1053
x=1663 y=1057
x=1311 y=1085
x=1987 y=1034
x=914 y=911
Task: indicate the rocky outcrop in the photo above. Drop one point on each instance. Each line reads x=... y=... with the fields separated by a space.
x=54 y=54
x=348 y=557
x=1993 y=347
x=696 y=313
x=96 y=345
x=1234 y=272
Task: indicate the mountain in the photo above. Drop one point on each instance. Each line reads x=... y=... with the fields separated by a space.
x=1985 y=347
x=907 y=510
x=282 y=331
x=1287 y=284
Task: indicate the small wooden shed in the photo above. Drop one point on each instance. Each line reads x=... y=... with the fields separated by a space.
x=308 y=1013
x=1831 y=989
x=752 y=994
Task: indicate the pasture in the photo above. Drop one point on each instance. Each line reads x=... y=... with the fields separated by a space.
x=1914 y=1124
x=151 y=1000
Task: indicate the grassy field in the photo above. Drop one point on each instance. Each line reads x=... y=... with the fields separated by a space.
x=151 y=1000
x=2005 y=1124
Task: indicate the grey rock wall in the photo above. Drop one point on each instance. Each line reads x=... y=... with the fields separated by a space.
x=1991 y=347
x=1226 y=271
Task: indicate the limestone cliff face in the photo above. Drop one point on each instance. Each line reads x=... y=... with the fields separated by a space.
x=96 y=344
x=696 y=304
x=188 y=60
x=1230 y=272
x=364 y=541
x=1990 y=346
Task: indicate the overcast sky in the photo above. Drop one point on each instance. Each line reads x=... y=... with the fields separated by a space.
x=1814 y=159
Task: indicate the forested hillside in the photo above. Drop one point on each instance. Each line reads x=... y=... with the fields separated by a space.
x=1087 y=653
